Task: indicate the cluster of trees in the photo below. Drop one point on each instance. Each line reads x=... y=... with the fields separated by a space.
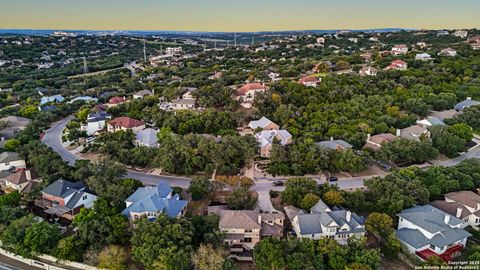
x=326 y=253
x=305 y=157
x=408 y=187
x=304 y=193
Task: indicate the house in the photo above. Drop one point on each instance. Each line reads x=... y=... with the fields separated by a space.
x=86 y=99
x=415 y=132
x=9 y=160
x=10 y=126
x=186 y=102
x=141 y=94
x=125 y=123
x=459 y=107
x=423 y=57
x=367 y=56
x=323 y=221
x=461 y=33
x=375 y=142
x=274 y=77
x=173 y=50
x=338 y=145
x=474 y=39
x=22 y=180
x=430 y=121
x=448 y=52
x=51 y=99
x=464 y=205
x=266 y=138
x=115 y=101
x=64 y=199
x=153 y=201
x=427 y=231
x=263 y=124
x=399 y=49
x=309 y=81
x=246 y=94
x=368 y=71
x=442 y=115
x=147 y=137
x=442 y=33
x=96 y=122
x=397 y=65
x=243 y=229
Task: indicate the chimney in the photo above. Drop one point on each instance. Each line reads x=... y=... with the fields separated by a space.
x=28 y=174
x=259 y=219
x=348 y=216
x=459 y=212
x=399 y=132
x=447 y=219
x=469 y=98
x=368 y=137
x=331 y=138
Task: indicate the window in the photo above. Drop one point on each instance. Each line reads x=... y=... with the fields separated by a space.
x=247 y=240
x=248 y=230
x=432 y=247
x=84 y=197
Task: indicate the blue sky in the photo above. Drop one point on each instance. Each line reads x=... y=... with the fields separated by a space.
x=238 y=15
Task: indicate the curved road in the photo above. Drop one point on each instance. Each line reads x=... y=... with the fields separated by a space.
x=52 y=138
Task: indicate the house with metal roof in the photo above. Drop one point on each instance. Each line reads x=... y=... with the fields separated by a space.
x=50 y=99
x=85 y=99
x=153 y=201
x=263 y=123
x=459 y=107
x=337 y=145
x=323 y=221
x=427 y=231
x=64 y=199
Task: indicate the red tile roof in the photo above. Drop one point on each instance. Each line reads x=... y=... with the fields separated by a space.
x=116 y=100
x=308 y=79
x=126 y=122
x=249 y=87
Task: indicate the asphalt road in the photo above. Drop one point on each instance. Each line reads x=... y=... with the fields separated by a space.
x=52 y=138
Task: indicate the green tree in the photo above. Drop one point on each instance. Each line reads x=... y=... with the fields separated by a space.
x=13 y=236
x=114 y=258
x=42 y=237
x=268 y=254
x=380 y=225
x=208 y=258
x=199 y=188
x=241 y=199
x=70 y=248
x=12 y=145
x=333 y=197
x=296 y=189
x=308 y=201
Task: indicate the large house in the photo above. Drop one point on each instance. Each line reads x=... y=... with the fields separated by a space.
x=186 y=102
x=415 y=133
x=464 y=205
x=51 y=99
x=368 y=71
x=459 y=107
x=115 y=101
x=309 y=81
x=243 y=229
x=153 y=201
x=9 y=160
x=22 y=180
x=147 y=137
x=427 y=231
x=397 y=65
x=246 y=94
x=399 y=49
x=448 y=52
x=263 y=124
x=141 y=94
x=96 y=122
x=375 y=142
x=266 y=139
x=337 y=145
x=125 y=123
x=423 y=57
x=323 y=221
x=10 y=126
x=64 y=199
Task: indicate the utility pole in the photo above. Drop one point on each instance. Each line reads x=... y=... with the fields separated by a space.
x=234 y=39
x=253 y=40
x=161 y=49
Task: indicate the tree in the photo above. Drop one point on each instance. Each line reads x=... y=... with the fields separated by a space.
x=83 y=114
x=434 y=261
x=13 y=236
x=333 y=197
x=70 y=248
x=380 y=225
x=268 y=254
x=235 y=181
x=241 y=199
x=208 y=258
x=392 y=246
x=462 y=130
x=357 y=266
x=405 y=152
x=447 y=142
x=114 y=258
x=199 y=188
x=10 y=199
x=42 y=237
x=308 y=201
x=12 y=145
x=296 y=189
x=163 y=244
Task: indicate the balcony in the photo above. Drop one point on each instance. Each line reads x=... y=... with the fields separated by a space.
x=447 y=256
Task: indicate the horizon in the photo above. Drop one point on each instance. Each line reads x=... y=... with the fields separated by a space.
x=247 y=15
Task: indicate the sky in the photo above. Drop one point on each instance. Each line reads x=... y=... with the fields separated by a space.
x=238 y=15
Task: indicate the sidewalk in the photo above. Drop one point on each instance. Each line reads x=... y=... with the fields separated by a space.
x=12 y=264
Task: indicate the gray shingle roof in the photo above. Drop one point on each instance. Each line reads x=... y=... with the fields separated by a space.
x=63 y=188
x=147 y=136
x=9 y=157
x=260 y=123
x=465 y=104
x=333 y=144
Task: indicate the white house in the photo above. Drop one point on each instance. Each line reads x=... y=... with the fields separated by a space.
x=96 y=121
x=448 y=52
x=399 y=49
x=323 y=221
x=427 y=231
x=10 y=160
x=423 y=57
x=368 y=71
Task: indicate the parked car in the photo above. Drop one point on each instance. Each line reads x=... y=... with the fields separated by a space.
x=384 y=165
x=278 y=183
x=332 y=179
